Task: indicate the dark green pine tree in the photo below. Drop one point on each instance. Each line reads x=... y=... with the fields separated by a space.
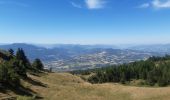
x=11 y=52
x=37 y=64
x=8 y=75
x=20 y=55
x=19 y=67
x=3 y=74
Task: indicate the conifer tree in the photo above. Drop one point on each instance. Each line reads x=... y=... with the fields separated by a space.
x=11 y=51
x=37 y=64
x=20 y=55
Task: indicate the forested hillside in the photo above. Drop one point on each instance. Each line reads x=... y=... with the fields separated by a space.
x=152 y=72
x=15 y=67
x=22 y=80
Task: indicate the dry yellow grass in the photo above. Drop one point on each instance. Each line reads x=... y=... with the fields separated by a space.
x=64 y=86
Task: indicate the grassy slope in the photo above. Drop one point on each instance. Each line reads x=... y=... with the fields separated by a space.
x=63 y=86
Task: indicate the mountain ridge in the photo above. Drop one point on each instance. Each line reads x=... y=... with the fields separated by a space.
x=80 y=57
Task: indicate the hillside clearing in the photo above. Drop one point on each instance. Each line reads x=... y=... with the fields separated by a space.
x=64 y=86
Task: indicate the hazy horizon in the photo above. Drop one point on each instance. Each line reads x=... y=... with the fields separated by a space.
x=50 y=44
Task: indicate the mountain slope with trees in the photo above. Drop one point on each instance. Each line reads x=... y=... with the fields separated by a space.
x=64 y=86
x=32 y=83
x=16 y=67
x=154 y=71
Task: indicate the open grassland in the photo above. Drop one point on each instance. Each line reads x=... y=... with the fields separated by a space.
x=64 y=86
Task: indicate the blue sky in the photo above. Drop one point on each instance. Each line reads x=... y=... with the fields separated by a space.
x=85 y=21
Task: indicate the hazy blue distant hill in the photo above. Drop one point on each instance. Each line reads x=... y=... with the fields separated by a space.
x=68 y=46
x=55 y=52
x=64 y=57
x=160 y=48
x=38 y=52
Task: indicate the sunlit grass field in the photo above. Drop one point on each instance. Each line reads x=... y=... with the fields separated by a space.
x=64 y=86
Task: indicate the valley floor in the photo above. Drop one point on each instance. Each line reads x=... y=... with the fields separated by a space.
x=64 y=86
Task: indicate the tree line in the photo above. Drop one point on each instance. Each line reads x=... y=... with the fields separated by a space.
x=154 y=71
x=15 y=66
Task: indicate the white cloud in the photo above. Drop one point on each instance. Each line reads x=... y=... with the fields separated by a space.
x=90 y=4
x=76 y=5
x=158 y=4
x=161 y=4
x=95 y=4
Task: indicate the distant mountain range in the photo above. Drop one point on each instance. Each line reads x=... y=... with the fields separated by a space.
x=68 y=46
x=34 y=52
x=160 y=48
x=66 y=57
